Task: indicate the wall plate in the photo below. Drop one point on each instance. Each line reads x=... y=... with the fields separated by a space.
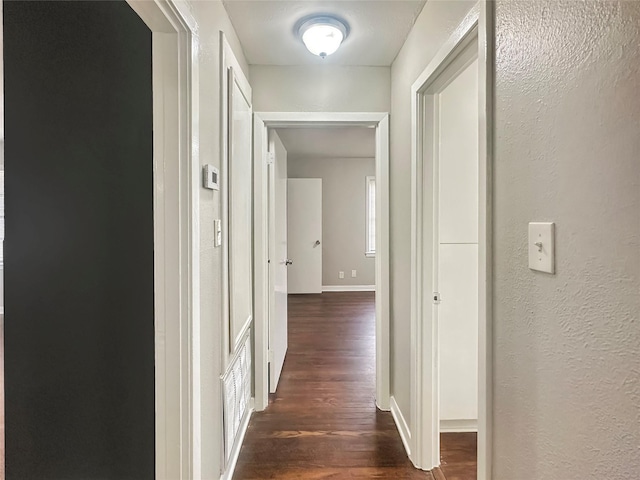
x=210 y=177
x=217 y=233
x=542 y=246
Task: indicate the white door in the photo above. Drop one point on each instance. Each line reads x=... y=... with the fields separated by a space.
x=278 y=257
x=305 y=235
x=457 y=250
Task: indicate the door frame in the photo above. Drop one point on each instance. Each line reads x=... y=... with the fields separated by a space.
x=425 y=448
x=175 y=225
x=176 y=173
x=263 y=121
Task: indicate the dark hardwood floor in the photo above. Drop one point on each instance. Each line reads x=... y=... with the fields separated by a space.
x=323 y=422
x=458 y=454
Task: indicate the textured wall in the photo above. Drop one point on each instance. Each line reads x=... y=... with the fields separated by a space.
x=320 y=88
x=343 y=215
x=567 y=361
x=435 y=24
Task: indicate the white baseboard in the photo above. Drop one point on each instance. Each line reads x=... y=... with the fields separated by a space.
x=235 y=452
x=348 y=288
x=459 y=426
x=401 y=425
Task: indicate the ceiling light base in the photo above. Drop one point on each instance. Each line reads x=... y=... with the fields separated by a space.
x=322 y=34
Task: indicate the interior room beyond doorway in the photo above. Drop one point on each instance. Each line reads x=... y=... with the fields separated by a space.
x=321 y=195
x=344 y=160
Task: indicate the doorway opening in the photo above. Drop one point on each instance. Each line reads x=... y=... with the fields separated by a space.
x=321 y=221
x=451 y=308
x=263 y=122
x=322 y=205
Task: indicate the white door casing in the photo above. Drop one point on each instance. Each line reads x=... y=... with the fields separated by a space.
x=262 y=122
x=473 y=36
x=457 y=223
x=305 y=235
x=236 y=194
x=176 y=236
x=278 y=254
x=236 y=201
x=237 y=178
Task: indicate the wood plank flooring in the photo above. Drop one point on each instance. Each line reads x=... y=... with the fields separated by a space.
x=458 y=456
x=322 y=422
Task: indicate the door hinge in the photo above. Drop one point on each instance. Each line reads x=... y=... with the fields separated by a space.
x=270 y=356
x=270 y=158
x=436 y=298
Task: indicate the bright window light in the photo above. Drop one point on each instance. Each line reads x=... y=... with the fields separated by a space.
x=370 y=217
x=323 y=35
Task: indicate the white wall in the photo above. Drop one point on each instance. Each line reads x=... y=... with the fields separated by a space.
x=433 y=27
x=567 y=149
x=211 y=18
x=343 y=215
x=320 y=88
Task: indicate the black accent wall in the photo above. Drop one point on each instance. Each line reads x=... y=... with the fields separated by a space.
x=79 y=347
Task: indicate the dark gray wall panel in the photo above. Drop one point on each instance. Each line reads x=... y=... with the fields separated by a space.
x=79 y=245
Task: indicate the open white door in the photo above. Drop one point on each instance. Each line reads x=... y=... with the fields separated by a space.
x=278 y=311
x=456 y=276
x=305 y=235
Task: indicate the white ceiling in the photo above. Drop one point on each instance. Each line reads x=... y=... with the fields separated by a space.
x=378 y=28
x=329 y=142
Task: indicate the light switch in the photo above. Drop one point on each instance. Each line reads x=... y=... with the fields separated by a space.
x=542 y=246
x=217 y=233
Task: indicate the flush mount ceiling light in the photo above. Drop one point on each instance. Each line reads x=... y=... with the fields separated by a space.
x=322 y=34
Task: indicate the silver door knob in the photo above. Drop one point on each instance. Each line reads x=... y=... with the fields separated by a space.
x=288 y=262
x=317 y=242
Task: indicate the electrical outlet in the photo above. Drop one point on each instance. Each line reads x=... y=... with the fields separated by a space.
x=353 y=274
x=340 y=274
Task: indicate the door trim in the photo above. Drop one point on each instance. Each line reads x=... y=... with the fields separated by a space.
x=175 y=224
x=425 y=451
x=176 y=234
x=231 y=72
x=262 y=122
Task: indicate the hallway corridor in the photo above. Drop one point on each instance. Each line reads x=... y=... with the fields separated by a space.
x=323 y=422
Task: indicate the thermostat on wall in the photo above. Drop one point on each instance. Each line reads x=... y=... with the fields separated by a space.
x=211 y=177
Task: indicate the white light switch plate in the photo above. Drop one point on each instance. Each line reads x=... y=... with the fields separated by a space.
x=542 y=246
x=217 y=233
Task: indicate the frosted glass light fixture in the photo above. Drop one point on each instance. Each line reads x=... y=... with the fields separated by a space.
x=322 y=35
